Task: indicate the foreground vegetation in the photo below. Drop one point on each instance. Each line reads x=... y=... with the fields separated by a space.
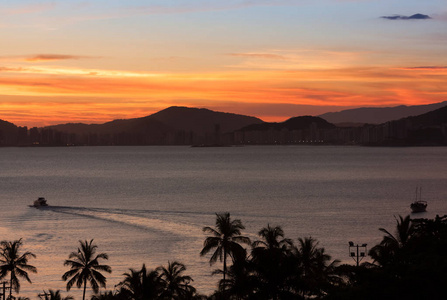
x=408 y=264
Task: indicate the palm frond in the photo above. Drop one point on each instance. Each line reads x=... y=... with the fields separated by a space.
x=94 y=284
x=104 y=268
x=70 y=273
x=85 y=267
x=23 y=274
x=209 y=244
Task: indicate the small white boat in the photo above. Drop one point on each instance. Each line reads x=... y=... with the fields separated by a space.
x=40 y=202
x=418 y=205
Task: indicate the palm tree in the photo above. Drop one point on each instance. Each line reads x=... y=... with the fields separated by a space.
x=388 y=249
x=131 y=286
x=273 y=238
x=14 y=263
x=107 y=295
x=84 y=266
x=404 y=231
x=140 y=285
x=174 y=284
x=272 y=261
x=240 y=283
x=54 y=295
x=225 y=239
x=313 y=264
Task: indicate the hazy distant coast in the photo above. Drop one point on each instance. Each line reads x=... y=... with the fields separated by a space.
x=424 y=125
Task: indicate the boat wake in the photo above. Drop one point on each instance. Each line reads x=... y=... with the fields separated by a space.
x=166 y=222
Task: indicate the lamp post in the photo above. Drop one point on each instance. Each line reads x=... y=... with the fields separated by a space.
x=4 y=287
x=357 y=252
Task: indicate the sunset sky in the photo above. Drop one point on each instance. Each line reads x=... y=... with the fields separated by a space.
x=95 y=61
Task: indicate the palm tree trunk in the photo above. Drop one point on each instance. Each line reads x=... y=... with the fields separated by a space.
x=224 y=266
x=85 y=286
x=10 y=288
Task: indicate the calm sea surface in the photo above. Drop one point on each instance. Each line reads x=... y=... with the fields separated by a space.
x=149 y=204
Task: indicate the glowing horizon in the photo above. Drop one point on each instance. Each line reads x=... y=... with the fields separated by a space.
x=96 y=62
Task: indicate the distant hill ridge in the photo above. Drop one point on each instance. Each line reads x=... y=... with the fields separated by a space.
x=198 y=120
x=295 y=123
x=433 y=118
x=379 y=115
x=429 y=129
x=198 y=126
x=172 y=126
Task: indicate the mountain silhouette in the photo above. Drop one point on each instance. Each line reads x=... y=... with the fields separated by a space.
x=203 y=127
x=201 y=120
x=121 y=125
x=429 y=129
x=436 y=117
x=295 y=123
x=173 y=125
x=379 y=115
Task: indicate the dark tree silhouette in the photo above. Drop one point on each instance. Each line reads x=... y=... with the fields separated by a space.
x=109 y=295
x=14 y=263
x=85 y=267
x=240 y=282
x=390 y=247
x=272 y=240
x=174 y=285
x=54 y=295
x=409 y=264
x=140 y=285
x=272 y=260
x=316 y=270
x=225 y=240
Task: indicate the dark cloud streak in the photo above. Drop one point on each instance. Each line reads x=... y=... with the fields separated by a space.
x=412 y=17
x=426 y=68
x=258 y=55
x=51 y=57
x=45 y=57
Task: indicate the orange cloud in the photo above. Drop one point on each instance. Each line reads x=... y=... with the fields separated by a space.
x=52 y=57
x=92 y=96
x=259 y=55
x=309 y=59
x=426 y=69
x=44 y=57
x=12 y=69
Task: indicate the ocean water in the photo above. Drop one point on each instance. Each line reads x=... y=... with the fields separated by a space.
x=149 y=204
